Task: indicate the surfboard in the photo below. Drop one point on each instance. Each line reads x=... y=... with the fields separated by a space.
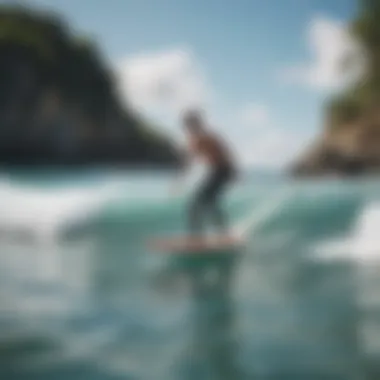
x=183 y=244
x=222 y=243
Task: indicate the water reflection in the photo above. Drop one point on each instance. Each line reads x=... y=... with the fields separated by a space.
x=256 y=315
x=211 y=352
x=42 y=285
x=301 y=320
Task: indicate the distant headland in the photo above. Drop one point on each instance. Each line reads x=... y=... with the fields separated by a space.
x=58 y=103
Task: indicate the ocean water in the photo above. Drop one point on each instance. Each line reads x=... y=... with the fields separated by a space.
x=82 y=296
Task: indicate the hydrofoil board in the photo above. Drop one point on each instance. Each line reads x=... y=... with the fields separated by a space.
x=181 y=244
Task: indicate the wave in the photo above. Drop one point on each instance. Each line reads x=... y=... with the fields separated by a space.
x=45 y=212
x=361 y=243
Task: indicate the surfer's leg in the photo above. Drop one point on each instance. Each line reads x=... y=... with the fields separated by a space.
x=200 y=205
x=214 y=209
x=207 y=200
x=217 y=213
x=214 y=201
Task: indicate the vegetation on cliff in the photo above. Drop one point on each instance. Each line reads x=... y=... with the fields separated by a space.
x=350 y=142
x=355 y=101
x=58 y=102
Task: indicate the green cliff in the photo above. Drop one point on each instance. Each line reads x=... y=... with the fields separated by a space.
x=350 y=141
x=58 y=103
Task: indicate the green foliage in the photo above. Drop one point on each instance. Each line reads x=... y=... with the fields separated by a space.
x=344 y=109
x=18 y=26
x=353 y=102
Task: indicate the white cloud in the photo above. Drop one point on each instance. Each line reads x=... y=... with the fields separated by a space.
x=167 y=81
x=273 y=148
x=329 y=43
x=261 y=143
x=255 y=115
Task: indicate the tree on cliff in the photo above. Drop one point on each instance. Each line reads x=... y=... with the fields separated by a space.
x=350 y=143
x=365 y=93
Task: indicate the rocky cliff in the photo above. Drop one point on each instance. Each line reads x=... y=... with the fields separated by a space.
x=352 y=149
x=350 y=141
x=58 y=103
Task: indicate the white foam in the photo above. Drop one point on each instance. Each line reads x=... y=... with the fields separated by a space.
x=45 y=212
x=362 y=245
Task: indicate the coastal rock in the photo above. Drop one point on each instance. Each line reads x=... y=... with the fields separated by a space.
x=350 y=142
x=345 y=150
x=58 y=101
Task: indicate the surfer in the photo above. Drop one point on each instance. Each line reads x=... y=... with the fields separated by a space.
x=209 y=147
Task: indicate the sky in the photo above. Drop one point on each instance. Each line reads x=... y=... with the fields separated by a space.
x=260 y=69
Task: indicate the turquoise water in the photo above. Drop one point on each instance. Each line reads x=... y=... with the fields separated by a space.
x=82 y=296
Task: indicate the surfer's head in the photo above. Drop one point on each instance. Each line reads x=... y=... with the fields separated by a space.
x=193 y=121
